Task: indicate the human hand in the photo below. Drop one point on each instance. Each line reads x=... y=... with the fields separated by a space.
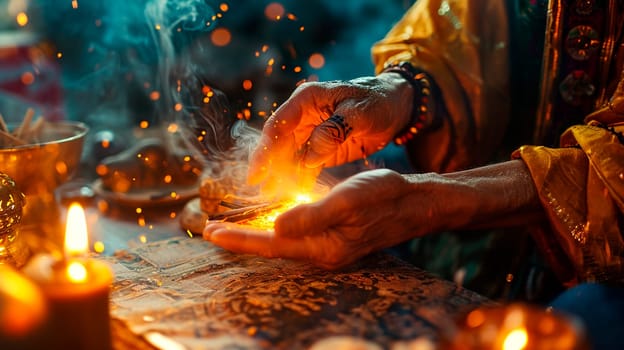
x=328 y=124
x=380 y=208
x=367 y=212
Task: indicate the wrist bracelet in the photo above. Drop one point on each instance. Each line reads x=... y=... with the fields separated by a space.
x=423 y=108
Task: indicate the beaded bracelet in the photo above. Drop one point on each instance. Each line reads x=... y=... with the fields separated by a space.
x=423 y=110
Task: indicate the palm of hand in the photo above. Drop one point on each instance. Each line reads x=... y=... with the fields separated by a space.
x=361 y=215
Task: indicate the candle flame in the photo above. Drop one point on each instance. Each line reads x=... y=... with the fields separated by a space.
x=517 y=339
x=76 y=272
x=76 y=237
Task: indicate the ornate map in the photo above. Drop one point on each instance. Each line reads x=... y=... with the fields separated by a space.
x=200 y=296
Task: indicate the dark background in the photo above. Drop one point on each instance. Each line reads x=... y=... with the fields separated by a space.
x=111 y=55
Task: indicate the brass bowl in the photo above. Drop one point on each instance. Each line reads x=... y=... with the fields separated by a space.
x=39 y=168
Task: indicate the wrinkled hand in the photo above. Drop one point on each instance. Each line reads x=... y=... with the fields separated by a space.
x=367 y=212
x=330 y=123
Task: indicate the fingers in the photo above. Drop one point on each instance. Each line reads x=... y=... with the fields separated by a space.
x=288 y=129
x=304 y=219
x=322 y=250
x=247 y=240
x=326 y=139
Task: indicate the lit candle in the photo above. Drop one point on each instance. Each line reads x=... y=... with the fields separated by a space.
x=516 y=326
x=22 y=309
x=76 y=290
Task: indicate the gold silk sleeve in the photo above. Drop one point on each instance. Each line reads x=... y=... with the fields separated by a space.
x=581 y=187
x=469 y=62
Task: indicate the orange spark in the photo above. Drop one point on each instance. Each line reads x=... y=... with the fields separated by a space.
x=221 y=37
x=274 y=11
x=316 y=61
x=154 y=95
x=22 y=19
x=172 y=128
x=27 y=78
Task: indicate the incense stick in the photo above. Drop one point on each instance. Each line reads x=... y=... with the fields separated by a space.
x=24 y=134
x=25 y=123
x=240 y=214
x=3 y=126
x=13 y=141
x=31 y=135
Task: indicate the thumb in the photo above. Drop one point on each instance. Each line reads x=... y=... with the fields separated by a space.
x=302 y=220
x=325 y=140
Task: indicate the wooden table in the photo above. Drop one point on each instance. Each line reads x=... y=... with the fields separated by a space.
x=256 y=303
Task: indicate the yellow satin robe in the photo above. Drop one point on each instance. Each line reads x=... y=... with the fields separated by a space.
x=580 y=184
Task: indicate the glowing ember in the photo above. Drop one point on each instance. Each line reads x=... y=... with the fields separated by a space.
x=316 y=61
x=274 y=11
x=221 y=37
x=173 y=127
x=154 y=95
x=266 y=221
x=21 y=19
x=27 y=78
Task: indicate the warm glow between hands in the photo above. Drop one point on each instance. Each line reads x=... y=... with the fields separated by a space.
x=76 y=237
x=303 y=198
x=299 y=199
x=267 y=221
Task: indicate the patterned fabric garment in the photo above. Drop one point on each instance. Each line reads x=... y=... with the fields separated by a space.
x=521 y=79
